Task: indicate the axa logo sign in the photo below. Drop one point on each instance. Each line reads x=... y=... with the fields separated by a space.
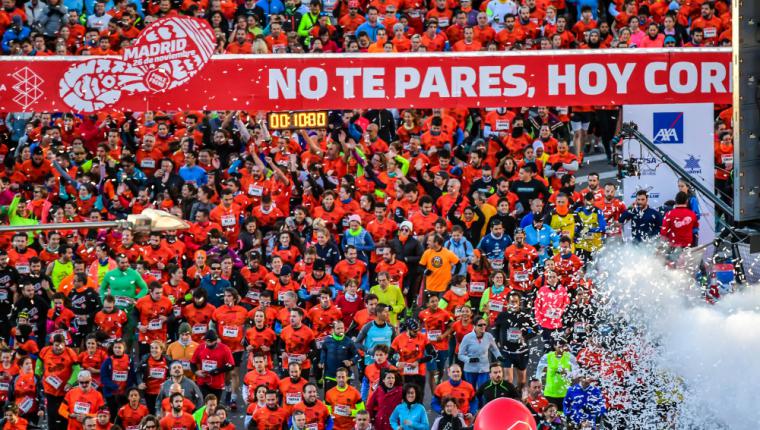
x=667 y=127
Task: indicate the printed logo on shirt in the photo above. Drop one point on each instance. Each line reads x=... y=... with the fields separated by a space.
x=667 y=127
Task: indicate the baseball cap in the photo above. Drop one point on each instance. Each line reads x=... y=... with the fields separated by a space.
x=670 y=39
x=407 y=224
x=286 y=270
x=319 y=264
x=211 y=336
x=355 y=217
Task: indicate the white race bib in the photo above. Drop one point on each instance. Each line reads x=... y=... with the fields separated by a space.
x=497 y=263
x=120 y=375
x=81 y=408
x=522 y=276
x=148 y=163
x=4 y=386
x=54 y=381
x=157 y=372
x=208 y=365
x=122 y=301
x=409 y=368
x=228 y=331
x=495 y=305
x=710 y=32
x=296 y=358
x=293 y=398
x=502 y=124
x=513 y=335
x=200 y=329
x=342 y=410
x=155 y=325
x=553 y=313
x=185 y=365
x=434 y=335
x=477 y=287
x=579 y=328
x=727 y=159
x=255 y=190
x=228 y=221
x=443 y=22
x=26 y=404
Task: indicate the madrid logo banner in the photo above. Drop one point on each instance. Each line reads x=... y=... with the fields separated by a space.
x=170 y=67
x=685 y=133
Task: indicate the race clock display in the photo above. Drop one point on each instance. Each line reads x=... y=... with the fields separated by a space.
x=296 y=120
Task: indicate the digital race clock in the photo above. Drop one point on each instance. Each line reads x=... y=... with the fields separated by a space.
x=295 y=120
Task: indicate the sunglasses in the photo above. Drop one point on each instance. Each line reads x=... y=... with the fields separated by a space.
x=84 y=382
x=216 y=268
x=482 y=325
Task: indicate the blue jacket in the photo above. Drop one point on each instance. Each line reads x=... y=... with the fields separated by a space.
x=463 y=250
x=333 y=353
x=543 y=240
x=645 y=224
x=414 y=413
x=584 y=404
x=106 y=377
x=362 y=241
x=215 y=291
x=11 y=35
x=369 y=29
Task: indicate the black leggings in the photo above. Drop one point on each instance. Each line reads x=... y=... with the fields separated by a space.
x=55 y=421
x=114 y=403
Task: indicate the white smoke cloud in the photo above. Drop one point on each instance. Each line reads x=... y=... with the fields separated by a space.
x=659 y=315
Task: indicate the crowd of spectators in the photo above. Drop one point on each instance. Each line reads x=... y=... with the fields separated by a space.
x=76 y=27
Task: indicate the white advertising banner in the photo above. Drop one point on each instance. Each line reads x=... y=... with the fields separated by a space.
x=685 y=133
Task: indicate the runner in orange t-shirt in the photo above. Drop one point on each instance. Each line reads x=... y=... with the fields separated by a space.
x=178 y=419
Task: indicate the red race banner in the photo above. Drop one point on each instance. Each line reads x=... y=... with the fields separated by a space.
x=171 y=68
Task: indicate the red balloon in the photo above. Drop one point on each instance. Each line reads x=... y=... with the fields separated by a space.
x=504 y=414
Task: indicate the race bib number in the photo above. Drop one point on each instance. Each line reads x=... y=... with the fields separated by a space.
x=513 y=335
x=157 y=372
x=81 y=408
x=342 y=410
x=26 y=404
x=522 y=276
x=296 y=358
x=415 y=13
x=502 y=124
x=230 y=331
x=497 y=263
x=710 y=32
x=120 y=375
x=409 y=368
x=727 y=159
x=3 y=295
x=4 y=386
x=279 y=49
x=200 y=329
x=253 y=295
x=495 y=306
x=155 y=325
x=185 y=365
x=208 y=365
x=82 y=320
x=22 y=269
x=148 y=163
x=255 y=190
x=281 y=296
x=177 y=311
x=312 y=426
x=228 y=221
x=293 y=398
x=434 y=335
x=54 y=381
x=123 y=302
x=553 y=313
x=443 y=22
x=477 y=287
